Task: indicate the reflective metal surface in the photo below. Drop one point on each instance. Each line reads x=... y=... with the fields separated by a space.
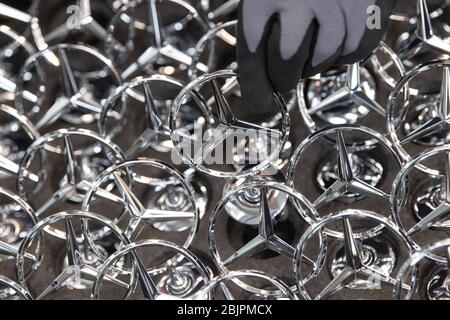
x=129 y=168
x=359 y=266
x=223 y=127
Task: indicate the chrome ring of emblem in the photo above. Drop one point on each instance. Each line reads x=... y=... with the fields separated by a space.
x=266 y=238
x=436 y=123
x=80 y=99
x=227 y=126
x=137 y=211
x=16 y=42
x=145 y=277
x=281 y=292
x=10 y=159
x=157 y=111
x=399 y=196
x=354 y=261
x=77 y=266
x=16 y=204
x=409 y=270
x=207 y=42
x=73 y=182
x=14 y=289
x=163 y=47
x=346 y=177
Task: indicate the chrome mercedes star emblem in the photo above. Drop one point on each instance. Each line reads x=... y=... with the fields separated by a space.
x=197 y=150
x=169 y=215
x=437 y=217
x=357 y=264
x=77 y=267
x=177 y=284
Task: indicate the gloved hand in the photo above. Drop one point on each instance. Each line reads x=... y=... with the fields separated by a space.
x=281 y=41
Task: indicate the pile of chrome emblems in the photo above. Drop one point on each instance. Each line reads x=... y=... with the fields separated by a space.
x=128 y=169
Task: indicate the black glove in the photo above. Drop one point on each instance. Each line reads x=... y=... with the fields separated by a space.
x=282 y=41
